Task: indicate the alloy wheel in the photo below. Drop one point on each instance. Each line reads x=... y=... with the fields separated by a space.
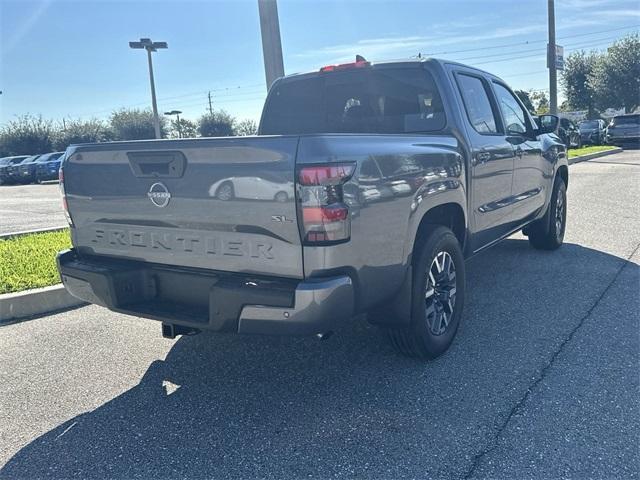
x=440 y=294
x=225 y=192
x=560 y=215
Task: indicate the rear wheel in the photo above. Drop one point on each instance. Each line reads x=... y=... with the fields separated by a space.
x=548 y=232
x=225 y=191
x=437 y=297
x=281 y=197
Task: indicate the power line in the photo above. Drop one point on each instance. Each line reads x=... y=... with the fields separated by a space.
x=534 y=55
x=528 y=42
x=230 y=90
x=587 y=44
x=205 y=104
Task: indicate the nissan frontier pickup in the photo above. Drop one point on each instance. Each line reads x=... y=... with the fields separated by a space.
x=366 y=188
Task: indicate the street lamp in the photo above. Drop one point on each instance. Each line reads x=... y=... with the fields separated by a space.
x=150 y=46
x=177 y=114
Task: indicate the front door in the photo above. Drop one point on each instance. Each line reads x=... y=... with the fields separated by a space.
x=531 y=170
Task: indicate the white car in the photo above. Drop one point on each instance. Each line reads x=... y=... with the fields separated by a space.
x=251 y=188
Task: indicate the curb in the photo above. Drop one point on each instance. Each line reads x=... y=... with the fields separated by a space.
x=591 y=156
x=7 y=236
x=31 y=303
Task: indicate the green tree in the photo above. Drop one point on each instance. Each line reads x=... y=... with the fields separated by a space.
x=184 y=129
x=526 y=100
x=216 y=124
x=27 y=135
x=540 y=101
x=135 y=124
x=576 y=81
x=615 y=78
x=246 y=127
x=79 y=131
x=564 y=106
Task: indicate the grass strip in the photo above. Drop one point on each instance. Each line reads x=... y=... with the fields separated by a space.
x=29 y=261
x=577 y=152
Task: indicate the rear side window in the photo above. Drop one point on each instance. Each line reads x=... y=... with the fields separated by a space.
x=477 y=104
x=368 y=100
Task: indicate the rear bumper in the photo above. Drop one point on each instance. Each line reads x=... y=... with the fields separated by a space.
x=209 y=300
x=47 y=174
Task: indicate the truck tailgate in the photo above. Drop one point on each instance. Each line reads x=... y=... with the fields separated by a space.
x=221 y=203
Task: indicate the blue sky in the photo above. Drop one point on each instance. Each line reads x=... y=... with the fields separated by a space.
x=71 y=58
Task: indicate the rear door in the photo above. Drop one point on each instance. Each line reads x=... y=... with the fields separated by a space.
x=492 y=158
x=192 y=203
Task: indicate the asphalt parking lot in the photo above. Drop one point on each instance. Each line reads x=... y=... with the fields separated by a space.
x=28 y=207
x=542 y=380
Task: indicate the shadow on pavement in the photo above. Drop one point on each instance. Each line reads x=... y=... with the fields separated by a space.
x=232 y=406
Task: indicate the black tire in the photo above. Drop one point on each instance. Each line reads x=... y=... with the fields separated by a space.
x=548 y=232
x=281 y=197
x=428 y=336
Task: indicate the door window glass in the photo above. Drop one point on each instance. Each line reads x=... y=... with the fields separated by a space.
x=477 y=104
x=512 y=113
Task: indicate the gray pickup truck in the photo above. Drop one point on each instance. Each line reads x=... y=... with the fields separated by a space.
x=365 y=191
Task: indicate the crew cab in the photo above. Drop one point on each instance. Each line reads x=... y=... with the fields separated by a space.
x=366 y=188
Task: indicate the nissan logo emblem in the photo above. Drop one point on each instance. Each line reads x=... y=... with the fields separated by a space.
x=159 y=195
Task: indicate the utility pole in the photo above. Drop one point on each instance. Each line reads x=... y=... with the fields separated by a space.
x=551 y=60
x=210 y=105
x=271 y=44
x=150 y=46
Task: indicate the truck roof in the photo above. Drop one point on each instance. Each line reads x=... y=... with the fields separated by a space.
x=399 y=62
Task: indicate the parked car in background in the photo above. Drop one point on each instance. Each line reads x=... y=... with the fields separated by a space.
x=624 y=129
x=47 y=166
x=6 y=166
x=569 y=132
x=252 y=188
x=25 y=171
x=593 y=132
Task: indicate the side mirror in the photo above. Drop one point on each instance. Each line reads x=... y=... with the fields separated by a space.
x=547 y=124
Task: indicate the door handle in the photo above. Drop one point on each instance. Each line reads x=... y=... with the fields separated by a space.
x=483 y=157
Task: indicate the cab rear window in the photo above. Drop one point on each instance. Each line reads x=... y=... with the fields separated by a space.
x=382 y=100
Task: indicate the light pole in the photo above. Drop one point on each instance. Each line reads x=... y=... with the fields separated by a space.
x=271 y=43
x=177 y=114
x=150 y=46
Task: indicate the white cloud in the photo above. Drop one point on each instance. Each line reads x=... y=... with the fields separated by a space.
x=406 y=46
x=26 y=26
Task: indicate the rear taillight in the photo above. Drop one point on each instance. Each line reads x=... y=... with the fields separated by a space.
x=325 y=216
x=65 y=208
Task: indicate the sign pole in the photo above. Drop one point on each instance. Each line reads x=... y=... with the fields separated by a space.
x=551 y=60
